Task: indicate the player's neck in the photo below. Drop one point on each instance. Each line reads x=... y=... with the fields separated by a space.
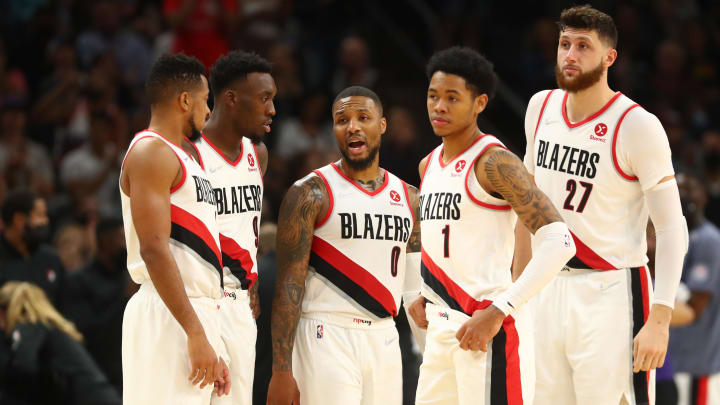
x=221 y=134
x=585 y=103
x=364 y=177
x=457 y=143
x=169 y=126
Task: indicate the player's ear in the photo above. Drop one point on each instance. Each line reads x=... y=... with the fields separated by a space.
x=480 y=103
x=383 y=125
x=230 y=96
x=610 y=57
x=185 y=101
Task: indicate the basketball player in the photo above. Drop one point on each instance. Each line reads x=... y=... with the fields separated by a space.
x=342 y=235
x=235 y=159
x=605 y=163
x=171 y=335
x=479 y=347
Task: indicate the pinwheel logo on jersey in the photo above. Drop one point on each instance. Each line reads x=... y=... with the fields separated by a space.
x=600 y=129
x=394 y=196
x=459 y=166
x=251 y=160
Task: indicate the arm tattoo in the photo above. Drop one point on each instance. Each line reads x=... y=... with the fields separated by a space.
x=509 y=177
x=414 y=244
x=299 y=210
x=372 y=185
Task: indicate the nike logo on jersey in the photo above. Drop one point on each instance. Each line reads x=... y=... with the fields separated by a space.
x=388 y=341
x=440 y=206
x=605 y=287
x=238 y=199
x=374 y=226
x=566 y=159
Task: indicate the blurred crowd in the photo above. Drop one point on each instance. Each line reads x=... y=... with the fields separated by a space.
x=72 y=96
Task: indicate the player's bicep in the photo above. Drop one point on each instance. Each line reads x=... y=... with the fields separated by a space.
x=413 y=244
x=643 y=149
x=508 y=177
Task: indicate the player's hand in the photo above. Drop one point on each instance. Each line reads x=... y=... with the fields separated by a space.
x=417 y=312
x=222 y=379
x=650 y=344
x=480 y=329
x=283 y=389
x=203 y=360
x=254 y=299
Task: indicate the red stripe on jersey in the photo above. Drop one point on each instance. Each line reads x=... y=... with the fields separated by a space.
x=512 y=356
x=349 y=180
x=590 y=118
x=427 y=166
x=468 y=303
x=182 y=165
x=442 y=150
x=330 y=195
x=542 y=110
x=589 y=257
x=467 y=187
x=407 y=198
x=196 y=226
x=614 y=142
x=702 y=391
x=222 y=155
x=645 y=285
x=356 y=273
x=234 y=251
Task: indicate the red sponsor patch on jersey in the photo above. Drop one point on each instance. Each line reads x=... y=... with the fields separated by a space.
x=394 y=195
x=460 y=165
x=600 y=129
x=251 y=160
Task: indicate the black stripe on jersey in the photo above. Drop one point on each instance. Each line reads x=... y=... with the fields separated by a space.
x=438 y=288
x=640 y=382
x=196 y=244
x=576 y=263
x=349 y=287
x=498 y=375
x=237 y=270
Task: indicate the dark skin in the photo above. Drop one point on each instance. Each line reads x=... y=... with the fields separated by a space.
x=356 y=119
x=453 y=109
x=14 y=230
x=244 y=110
x=151 y=170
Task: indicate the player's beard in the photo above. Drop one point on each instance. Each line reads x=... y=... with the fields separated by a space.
x=364 y=163
x=580 y=82
x=194 y=131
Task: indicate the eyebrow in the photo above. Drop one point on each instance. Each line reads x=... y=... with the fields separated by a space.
x=579 y=36
x=362 y=110
x=446 y=91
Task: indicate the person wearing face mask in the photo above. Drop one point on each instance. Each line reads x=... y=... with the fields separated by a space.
x=24 y=253
x=97 y=296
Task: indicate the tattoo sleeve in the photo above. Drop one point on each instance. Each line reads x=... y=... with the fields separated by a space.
x=413 y=244
x=508 y=176
x=300 y=208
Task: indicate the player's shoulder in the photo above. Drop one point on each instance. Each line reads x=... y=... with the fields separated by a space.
x=422 y=166
x=539 y=98
x=635 y=118
x=151 y=149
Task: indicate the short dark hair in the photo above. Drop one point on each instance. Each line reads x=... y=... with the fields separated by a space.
x=236 y=65
x=172 y=74
x=18 y=201
x=106 y=225
x=359 y=91
x=587 y=18
x=467 y=63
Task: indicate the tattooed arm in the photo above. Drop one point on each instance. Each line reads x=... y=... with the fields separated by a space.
x=501 y=173
x=413 y=279
x=304 y=204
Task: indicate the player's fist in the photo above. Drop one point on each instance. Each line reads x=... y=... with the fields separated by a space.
x=417 y=312
x=203 y=360
x=480 y=329
x=283 y=389
x=222 y=379
x=650 y=344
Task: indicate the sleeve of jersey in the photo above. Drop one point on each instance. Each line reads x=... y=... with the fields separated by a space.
x=642 y=148
x=531 y=119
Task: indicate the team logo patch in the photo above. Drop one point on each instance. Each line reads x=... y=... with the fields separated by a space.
x=394 y=196
x=319 y=331
x=600 y=129
x=460 y=165
x=251 y=160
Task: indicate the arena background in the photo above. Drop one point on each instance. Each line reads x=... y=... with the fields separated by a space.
x=71 y=97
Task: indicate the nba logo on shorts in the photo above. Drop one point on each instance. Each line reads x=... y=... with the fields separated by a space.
x=319 y=331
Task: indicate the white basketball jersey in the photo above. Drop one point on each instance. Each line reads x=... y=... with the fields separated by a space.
x=577 y=166
x=357 y=262
x=193 y=231
x=468 y=236
x=238 y=188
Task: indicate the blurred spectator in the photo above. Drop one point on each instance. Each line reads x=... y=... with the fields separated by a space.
x=13 y=85
x=286 y=72
x=74 y=246
x=711 y=166
x=401 y=145
x=93 y=169
x=695 y=349
x=266 y=290
x=97 y=296
x=46 y=363
x=24 y=254
x=201 y=27
x=354 y=67
x=310 y=131
x=23 y=163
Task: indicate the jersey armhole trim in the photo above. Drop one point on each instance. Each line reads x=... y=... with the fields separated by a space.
x=542 y=111
x=331 y=203
x=182 y=165
x=614 y=143
x=467 y=176
x=427 y=166
x=407 y=198
x=260 y=172
x=200 y=161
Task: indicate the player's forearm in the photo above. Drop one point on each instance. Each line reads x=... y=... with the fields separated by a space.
x=166 y=279
x=286 y=309
x=523 y=250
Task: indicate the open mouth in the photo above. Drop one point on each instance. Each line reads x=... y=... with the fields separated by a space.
x=266 y=125
x=356 y=147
